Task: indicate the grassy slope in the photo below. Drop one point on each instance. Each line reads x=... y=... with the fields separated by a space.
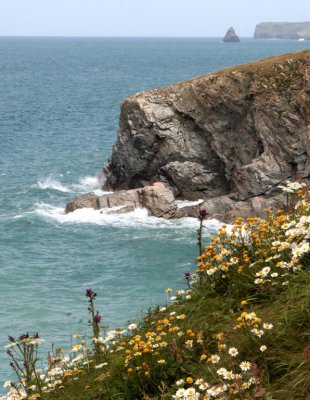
x=288 y=374
x=261 y=69
x=281 y=372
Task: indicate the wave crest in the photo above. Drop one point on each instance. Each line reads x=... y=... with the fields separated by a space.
x=52 y=183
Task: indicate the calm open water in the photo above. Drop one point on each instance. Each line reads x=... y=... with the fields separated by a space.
x=59 y=110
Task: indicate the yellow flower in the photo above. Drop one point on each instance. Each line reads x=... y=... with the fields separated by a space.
x=189 y=380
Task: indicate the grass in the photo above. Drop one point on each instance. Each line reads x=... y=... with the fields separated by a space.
x=284 y=362
x=276 y=73
x=240 y=328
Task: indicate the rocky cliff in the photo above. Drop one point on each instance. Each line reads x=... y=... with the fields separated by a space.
x=282 y=30
x=229 y=137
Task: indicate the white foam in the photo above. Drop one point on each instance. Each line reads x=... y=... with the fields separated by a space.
x=51 y=183
x=187 y=203
x=90 y=183
x=137 y=218
x=100 y=192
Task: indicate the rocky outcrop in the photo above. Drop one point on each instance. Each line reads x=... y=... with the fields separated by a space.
x=229 y=138
x=282 y=30
x=231 y=36
x=158 y=199
x=88 y=200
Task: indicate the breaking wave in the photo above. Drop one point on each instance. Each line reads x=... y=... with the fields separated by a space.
x=52 y=183
x=136 y=218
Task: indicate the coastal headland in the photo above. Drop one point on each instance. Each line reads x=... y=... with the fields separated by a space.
x=228 y=138
x=283 y=30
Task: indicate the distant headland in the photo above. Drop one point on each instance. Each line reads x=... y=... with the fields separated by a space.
x=283 y=30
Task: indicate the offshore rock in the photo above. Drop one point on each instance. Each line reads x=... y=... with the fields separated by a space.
x=231 y=36
x=282 y=30
x=229 y=138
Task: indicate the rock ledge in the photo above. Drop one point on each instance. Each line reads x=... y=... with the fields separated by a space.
x=158 y=199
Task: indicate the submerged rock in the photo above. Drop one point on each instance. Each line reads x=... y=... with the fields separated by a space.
x=231 y=36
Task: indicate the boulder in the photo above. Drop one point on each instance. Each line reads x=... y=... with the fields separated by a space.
x=88 y=200
x=159 y=200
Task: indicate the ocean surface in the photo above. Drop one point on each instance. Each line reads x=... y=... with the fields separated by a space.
x=59 y=110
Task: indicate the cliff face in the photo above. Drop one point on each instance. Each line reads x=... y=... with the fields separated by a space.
x=282 y=30
x=229 y=137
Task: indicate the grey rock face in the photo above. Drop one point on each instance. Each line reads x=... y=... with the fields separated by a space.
x=231 y=36
x=282 y=30
x=227 y=137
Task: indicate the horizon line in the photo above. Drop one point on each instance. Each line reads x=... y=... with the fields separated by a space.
x=119 y=37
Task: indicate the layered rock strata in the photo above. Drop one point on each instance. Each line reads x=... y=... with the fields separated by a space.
x=229 y=138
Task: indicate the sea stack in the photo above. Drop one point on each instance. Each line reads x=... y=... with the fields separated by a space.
x=231 y=36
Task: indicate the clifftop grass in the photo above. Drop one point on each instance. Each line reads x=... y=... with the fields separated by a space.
x=240 y=328
x=280 y=72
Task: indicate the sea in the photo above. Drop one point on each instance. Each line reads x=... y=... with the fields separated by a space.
x=59 y=112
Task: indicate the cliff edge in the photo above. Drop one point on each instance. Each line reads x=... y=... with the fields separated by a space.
x=282 y=30
x=229 y=137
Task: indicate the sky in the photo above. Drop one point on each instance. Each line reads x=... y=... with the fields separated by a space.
x=175 y=18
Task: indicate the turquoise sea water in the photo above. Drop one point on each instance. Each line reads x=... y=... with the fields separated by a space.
x=59 y=109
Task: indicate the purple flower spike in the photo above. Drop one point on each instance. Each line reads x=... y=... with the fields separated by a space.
x=90 y=293
x=187 y=275
x=97 y=318
x=203 y=213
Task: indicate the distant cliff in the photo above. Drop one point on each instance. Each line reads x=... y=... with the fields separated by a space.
x=229 y=137
x=282 y=30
